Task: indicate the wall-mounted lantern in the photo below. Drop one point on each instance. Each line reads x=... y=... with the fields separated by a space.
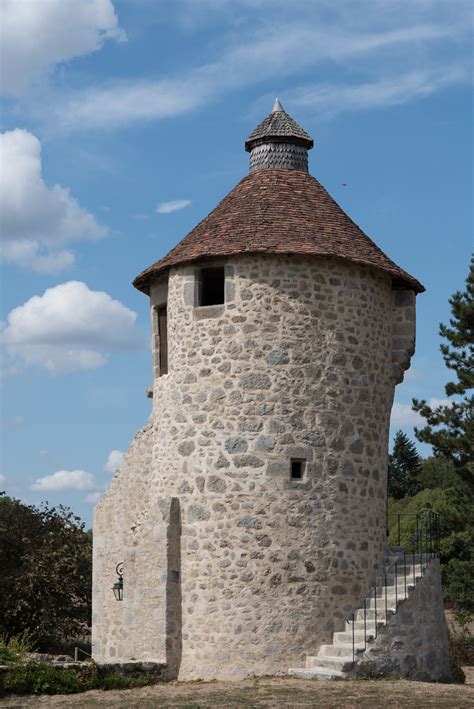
x=117 y=588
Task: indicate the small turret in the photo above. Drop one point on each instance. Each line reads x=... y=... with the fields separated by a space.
x=278 y=142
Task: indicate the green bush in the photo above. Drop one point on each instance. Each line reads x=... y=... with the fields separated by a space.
x=112 y=681
x=461 y=639
x=14 y=649
x=455 y=506
x=41 y=678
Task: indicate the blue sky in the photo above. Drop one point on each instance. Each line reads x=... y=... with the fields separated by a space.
x=123 y=124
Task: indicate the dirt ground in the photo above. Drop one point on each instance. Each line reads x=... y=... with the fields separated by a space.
x=267 y=693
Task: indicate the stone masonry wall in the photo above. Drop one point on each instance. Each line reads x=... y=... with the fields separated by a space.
x=120 y=518
x=296 y=364
x=300 y=362
x=414 y=644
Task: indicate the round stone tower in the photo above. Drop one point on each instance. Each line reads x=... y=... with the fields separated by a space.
x=250 y=512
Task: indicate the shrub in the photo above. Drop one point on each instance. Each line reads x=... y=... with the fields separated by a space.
x=41 y=678
x=15 y=648
x=461 y=639
x=46 y=563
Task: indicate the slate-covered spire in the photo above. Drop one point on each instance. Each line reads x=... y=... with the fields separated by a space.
x=278 y=142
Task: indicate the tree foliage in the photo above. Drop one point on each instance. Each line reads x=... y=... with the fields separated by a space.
x=46 y=564
x=450 y=428
x=404 y=465
x=445 y=479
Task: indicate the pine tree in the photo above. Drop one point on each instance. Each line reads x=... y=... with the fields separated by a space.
x=450 y=428
x=404 y=465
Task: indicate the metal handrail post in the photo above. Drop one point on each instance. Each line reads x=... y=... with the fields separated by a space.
x=375 y=608
x=365 y=624
x=396 y=588
x=405 y=572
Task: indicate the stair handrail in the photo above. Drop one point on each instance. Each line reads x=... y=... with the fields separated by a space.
x=428 y=530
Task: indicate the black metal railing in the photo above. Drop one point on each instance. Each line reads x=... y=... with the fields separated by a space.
x=421 y=534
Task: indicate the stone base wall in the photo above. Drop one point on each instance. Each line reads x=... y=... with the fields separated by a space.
x=414 y=644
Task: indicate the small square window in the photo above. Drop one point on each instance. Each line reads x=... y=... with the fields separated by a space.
x=212 y=284
x=297 y=468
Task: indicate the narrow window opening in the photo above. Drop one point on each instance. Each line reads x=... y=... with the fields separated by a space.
x=212 y=286
x=163 y=338
x=297 y=469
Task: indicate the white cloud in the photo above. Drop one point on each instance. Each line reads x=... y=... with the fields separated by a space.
x=413 y=375
x=403 y=415
x=37 y=34
x=65 y=480
x=114 y=461
x=434 y=402
x=36 y=221
x=69 y=328
x=93 y=497
x=395 y=90
x=167 y=207
x=319 y=33
x=2 y=478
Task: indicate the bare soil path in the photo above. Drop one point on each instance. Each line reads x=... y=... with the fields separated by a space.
x=265 y=693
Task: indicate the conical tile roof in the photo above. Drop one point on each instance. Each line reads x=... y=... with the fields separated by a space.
x=278 y=212
x=278 y=126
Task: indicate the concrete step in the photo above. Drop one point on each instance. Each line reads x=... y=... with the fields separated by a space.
x=321 y=673
x=370 y=624
x=370 y=613
x=390 y=574
x=346 y=637
x=340 y=650
x=391 y=593
x=392 y=601
x=332 y=662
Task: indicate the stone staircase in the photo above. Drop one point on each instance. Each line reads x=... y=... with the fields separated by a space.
x=339 y=660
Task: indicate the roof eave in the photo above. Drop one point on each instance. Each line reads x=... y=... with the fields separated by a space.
x=252 y=143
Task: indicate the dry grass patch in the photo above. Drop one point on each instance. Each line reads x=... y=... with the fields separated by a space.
x=266 y=693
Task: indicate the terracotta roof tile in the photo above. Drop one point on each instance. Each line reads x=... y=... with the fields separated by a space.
x=278 y=212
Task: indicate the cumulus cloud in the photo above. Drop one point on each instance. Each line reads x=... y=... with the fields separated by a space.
x=114 y=461
x=36 y=221
x=70 y=328
x=37 y=34
x=65 y=480
x=173 y=206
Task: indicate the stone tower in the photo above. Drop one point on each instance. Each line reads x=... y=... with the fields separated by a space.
x=250 y=511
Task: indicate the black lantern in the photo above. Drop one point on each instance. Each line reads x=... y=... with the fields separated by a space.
x=117 y=588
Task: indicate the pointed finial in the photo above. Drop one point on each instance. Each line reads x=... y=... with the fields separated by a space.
x=277 y=106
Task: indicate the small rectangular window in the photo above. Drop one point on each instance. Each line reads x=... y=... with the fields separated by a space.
x=163 y=338
x=297 y=469
x=212 y=283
